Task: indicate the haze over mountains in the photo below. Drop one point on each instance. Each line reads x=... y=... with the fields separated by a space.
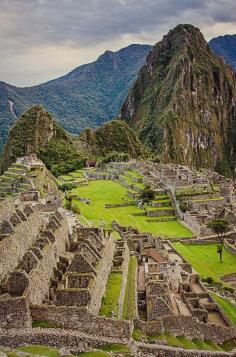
x=90 y=94
x=86 y=97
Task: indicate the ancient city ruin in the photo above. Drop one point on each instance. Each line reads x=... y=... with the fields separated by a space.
x=55 y=269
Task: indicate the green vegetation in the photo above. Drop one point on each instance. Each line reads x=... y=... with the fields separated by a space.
x=220 y=227
x=110 y=305
x=37 y=132
x=44 y=324
x=227 y=307
x=113 y=141
x=87 y=97
x=184 y=342
x=129 y=305
x=204 y=259
x=115 y=347
x=40 y=350
x=103 y=192
x=137 y=335
x=94 y=354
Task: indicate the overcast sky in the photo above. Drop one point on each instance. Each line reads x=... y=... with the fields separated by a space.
x=43 y=39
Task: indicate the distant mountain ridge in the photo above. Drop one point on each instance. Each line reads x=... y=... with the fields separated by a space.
x=225 y=46
x=88 y=96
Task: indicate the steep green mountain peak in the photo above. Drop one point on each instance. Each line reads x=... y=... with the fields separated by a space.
x=183 y=102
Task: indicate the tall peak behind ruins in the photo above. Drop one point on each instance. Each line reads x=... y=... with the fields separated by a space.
x=183 y=102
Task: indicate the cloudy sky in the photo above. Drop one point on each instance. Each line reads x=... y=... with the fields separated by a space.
x=43 y=39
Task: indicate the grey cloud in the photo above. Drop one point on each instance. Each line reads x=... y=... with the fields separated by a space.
x=26 y=24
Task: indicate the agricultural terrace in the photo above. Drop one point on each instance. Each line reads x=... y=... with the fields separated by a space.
x=205 y=259
x=102 y=192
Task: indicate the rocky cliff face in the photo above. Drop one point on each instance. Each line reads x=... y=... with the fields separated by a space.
x=183 y=102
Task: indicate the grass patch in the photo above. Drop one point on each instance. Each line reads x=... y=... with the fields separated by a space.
x=109 y=305
x=201 y=345
x=137 y=334
x=44 y=324
x=115 y=347
x=228 y=308
x=205 y=260
x=129 y=305
x=229 y=345
x=94 y=354
x=40 y=350
x=103 y=192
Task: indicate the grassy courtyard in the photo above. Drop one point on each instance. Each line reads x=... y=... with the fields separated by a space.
x=227 y=306
x=129 y=305
x=111 y=298
x=205 y=259
x=103 y=192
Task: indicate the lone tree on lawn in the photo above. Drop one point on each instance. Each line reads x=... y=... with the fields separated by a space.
x=220 y=251
x=220 y=227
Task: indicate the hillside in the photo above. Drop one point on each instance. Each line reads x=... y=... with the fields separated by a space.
x=86 y=97
x=225 y=46
x=37 y=132
x=183 y=102
x=111 y=136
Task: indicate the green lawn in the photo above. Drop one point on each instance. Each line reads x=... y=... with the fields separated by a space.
x=130 y=291
x=94 y=354
x=40 y=350
x=103 y=191
x=112 y=294
x=205 y=260
x=227 y=307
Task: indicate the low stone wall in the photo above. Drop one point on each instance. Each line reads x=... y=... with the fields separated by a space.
x=229 y=277
x=187 y=326
x=160 y=212
x=72 y=317
x=230 y=247
x=145 y=350
x=73 y=341
x=115 y=205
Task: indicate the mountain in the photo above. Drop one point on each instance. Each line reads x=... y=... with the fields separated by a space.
x=86 y=97
x=183 y=103
x=37 y=132
x=225 y=46
x=112 y=136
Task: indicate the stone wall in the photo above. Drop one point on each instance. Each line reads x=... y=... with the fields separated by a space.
x=73 y=341
x=187 y=326
x=14 y=246
x=72 y=317
x=103 y=271
x=39 y=278
x=6 y=208
x=14 y=312
x=145 y=350
x=230 y=247
x=125 y=268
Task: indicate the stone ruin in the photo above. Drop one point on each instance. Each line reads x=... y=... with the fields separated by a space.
x=55 y=270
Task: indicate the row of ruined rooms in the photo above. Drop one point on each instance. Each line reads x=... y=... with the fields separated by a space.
x=166 y=283
x=71 y=269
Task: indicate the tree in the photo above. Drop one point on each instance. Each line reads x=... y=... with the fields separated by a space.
x=220 y=227
x=220 y=251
